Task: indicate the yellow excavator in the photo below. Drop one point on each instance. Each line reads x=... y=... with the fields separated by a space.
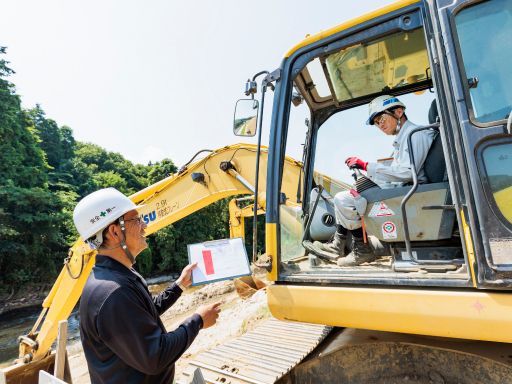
x=436 y=306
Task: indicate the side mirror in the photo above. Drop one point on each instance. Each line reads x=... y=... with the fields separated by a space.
x=246 y=117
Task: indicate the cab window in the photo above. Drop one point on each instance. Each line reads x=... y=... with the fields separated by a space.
x=484 y=32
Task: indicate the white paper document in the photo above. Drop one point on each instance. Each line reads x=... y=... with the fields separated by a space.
x=46 y=378
x=218 y=260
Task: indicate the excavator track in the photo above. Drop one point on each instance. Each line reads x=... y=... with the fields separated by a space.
x=261 y=356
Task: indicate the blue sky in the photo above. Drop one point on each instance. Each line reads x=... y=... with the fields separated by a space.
x=158 y=78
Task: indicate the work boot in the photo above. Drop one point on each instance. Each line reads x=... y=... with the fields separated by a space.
x=335 y=246
x=361 y=253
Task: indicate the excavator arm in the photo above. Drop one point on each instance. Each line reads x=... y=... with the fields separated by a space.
x=222 y=173
x=237 y=216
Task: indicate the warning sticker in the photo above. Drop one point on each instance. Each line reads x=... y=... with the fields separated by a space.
x=389 y=230
x=380 y=209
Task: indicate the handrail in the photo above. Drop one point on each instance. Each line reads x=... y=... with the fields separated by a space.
x=411 y=192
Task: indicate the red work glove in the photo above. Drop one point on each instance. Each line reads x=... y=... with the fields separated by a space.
x=356 y=162
x=354 y=193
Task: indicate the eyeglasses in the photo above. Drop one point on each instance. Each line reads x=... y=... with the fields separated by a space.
x=137 y=220
x=380 y=119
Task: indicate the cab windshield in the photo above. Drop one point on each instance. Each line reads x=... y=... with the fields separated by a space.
x=385 y=65
x=381 y=66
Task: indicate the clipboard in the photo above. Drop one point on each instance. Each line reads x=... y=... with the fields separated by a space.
x=218 y=260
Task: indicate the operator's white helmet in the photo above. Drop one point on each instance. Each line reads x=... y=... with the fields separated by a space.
x=97 y=210
x=382 y=103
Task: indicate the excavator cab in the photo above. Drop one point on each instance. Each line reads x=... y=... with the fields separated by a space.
x=443 y=245
x=428 y=233
x=411 y=227
x=444 y=266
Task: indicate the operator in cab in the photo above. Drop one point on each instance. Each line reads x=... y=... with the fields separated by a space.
x=123 y=337
x=388 y=114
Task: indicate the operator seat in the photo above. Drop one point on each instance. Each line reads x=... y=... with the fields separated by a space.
x=427 y=221
x=435 y=164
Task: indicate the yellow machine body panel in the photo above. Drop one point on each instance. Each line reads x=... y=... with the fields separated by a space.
x=457 y=314
x=271 y=248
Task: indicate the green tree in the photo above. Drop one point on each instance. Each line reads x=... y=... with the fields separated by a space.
x=30 y=214
x=109 y=167
x=110 y=179
x=161 y=170
x=49 y=135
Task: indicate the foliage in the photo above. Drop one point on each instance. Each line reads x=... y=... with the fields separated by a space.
x=30 y=215
x=161 y=170
x=108 y=169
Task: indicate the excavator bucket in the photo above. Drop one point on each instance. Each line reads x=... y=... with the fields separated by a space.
x=246 y=286
x=28 y=373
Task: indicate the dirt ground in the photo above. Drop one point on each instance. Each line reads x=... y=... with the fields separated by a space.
x=30 y=296
x=237 y=316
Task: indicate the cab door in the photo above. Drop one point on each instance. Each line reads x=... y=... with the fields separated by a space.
x=474 y=53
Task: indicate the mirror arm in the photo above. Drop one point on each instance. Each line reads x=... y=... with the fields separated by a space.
x=270 y=78
x=251 y=87
x=267 y=81
x=256 y=181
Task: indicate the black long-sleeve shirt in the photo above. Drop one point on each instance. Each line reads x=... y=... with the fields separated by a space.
x=123 y=337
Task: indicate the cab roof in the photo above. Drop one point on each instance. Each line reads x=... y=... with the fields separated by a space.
x=351 y=23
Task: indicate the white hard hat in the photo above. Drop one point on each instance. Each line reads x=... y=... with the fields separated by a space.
x=97 y=210
x=382 y=103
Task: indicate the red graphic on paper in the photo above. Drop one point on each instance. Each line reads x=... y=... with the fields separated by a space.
x=208 y=262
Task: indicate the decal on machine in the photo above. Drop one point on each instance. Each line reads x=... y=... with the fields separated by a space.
x=389 y=230
x=149 y=217
x=380 y=209
x=161 y=209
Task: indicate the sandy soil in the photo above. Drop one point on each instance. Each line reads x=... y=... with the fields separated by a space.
x=237 y=316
